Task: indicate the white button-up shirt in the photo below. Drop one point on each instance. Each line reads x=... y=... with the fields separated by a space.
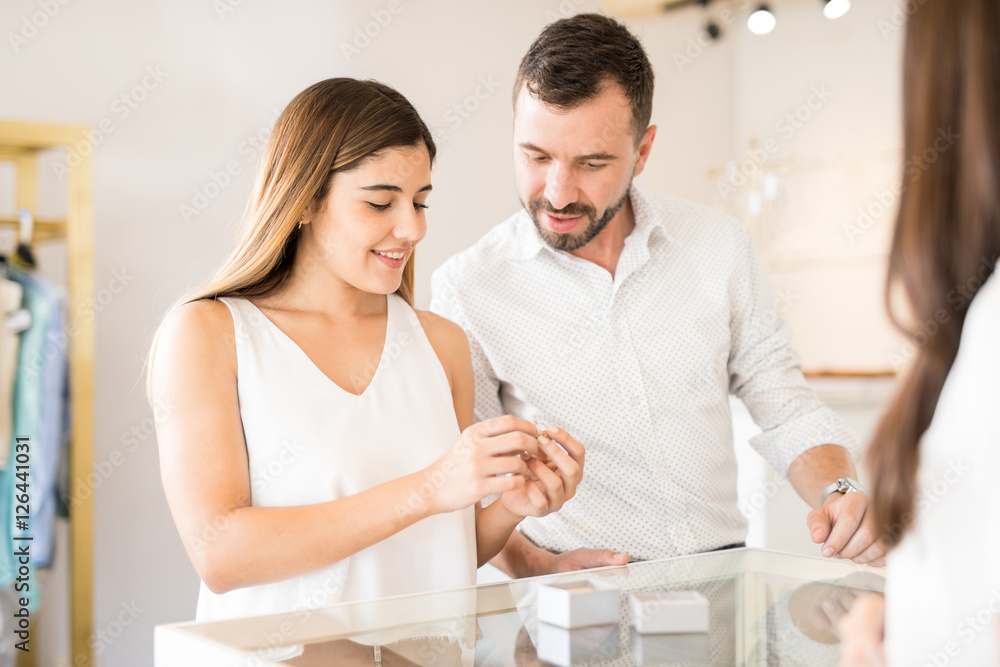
x=639 y=368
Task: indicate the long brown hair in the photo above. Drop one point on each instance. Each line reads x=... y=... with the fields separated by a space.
x=947 y=233
x=332 y=126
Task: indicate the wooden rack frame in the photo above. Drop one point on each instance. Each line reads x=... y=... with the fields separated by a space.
x=21 y=143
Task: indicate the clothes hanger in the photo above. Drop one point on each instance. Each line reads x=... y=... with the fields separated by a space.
x=18 y=320
x=3 y=254
x=23 y=256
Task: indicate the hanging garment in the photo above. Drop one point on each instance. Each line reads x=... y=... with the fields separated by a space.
x=54 y=435
x=39 y=407
x=63 y=493
x=10 y=306
x=8 y=624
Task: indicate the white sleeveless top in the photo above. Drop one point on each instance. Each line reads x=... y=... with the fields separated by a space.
x=310 y=441
x=942 y=590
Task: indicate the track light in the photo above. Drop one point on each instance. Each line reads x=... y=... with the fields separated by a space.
x=713 y=30
x=762 y=21
x=834 y=9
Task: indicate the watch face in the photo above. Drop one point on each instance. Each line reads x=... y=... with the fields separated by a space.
x=843 y=485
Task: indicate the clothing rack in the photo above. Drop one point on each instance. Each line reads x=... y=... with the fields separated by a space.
x=21 y=144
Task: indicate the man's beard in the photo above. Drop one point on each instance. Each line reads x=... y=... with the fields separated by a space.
x=570 y=242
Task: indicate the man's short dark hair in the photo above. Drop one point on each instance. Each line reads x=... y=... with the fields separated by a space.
x=574 y=58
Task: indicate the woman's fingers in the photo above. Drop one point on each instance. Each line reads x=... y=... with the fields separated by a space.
x=569 y=469
x=509 y=443
x=834 y=610
x=503 y=465
x=537 y=498
x=496 y=485
x=862 y=632
x=550 y=484
x=568 y=443
x=541 y=455
x=837 y=604
x=505 y=424
x=551 y=463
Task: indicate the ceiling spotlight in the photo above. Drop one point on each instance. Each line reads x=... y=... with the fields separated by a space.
x=834 y=9
x=762 y=21
x=713 y=30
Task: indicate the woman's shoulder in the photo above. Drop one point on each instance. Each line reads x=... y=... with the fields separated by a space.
x=447 y=338
x=202 y=317
x=197 y=329
x=436 y=326
x=982 y=323
x=988 y=297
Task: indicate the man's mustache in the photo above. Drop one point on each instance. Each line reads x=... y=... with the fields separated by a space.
x=572 y=209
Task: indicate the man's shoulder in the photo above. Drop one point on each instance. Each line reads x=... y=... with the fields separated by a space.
x=494 y=249
x=688 y=221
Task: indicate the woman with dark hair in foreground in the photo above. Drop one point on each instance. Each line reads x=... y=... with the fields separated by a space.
x=935 y=457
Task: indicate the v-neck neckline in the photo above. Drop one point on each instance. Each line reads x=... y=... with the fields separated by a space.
x=317 y=369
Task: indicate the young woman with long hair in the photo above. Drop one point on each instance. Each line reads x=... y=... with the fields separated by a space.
x=935 y=456
x=316 y=441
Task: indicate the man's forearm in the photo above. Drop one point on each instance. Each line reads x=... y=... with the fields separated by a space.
x=816 y=468
x=520 y=558
x=494 y=526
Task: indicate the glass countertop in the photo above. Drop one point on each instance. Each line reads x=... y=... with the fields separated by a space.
x=764 y=609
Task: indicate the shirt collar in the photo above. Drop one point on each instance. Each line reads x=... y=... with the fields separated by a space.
x=648 y=217
x=528 y=242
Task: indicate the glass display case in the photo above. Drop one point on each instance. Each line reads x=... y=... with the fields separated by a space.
x=765 y=608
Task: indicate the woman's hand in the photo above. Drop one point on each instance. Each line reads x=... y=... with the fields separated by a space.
x=860 y=624
x=554 y=474
x=471 y=469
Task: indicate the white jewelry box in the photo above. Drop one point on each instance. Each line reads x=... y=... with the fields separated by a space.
x=573 y=647
x=578 y=604
x=669 y=612
x=648 y=649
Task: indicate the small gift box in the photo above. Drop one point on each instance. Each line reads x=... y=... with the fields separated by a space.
x=573 y=647
x=669 y=612
x=578 y=604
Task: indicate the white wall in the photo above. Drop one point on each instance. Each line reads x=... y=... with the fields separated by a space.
x=824 y=99
x=222 y=77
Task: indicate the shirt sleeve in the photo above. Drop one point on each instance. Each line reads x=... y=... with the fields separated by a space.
x=766 y=373
x=446 y=302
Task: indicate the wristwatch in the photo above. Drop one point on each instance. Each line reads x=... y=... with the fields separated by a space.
x=843 y=485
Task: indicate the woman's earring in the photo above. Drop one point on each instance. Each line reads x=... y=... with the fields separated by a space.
x=300 y=223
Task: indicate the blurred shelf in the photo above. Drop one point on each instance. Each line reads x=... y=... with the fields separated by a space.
x=43 y=230
x=858 y=388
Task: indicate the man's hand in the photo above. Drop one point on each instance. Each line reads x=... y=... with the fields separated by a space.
x=847 y=530
x=584 y=559
x=520 y=557
x=842 y=524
